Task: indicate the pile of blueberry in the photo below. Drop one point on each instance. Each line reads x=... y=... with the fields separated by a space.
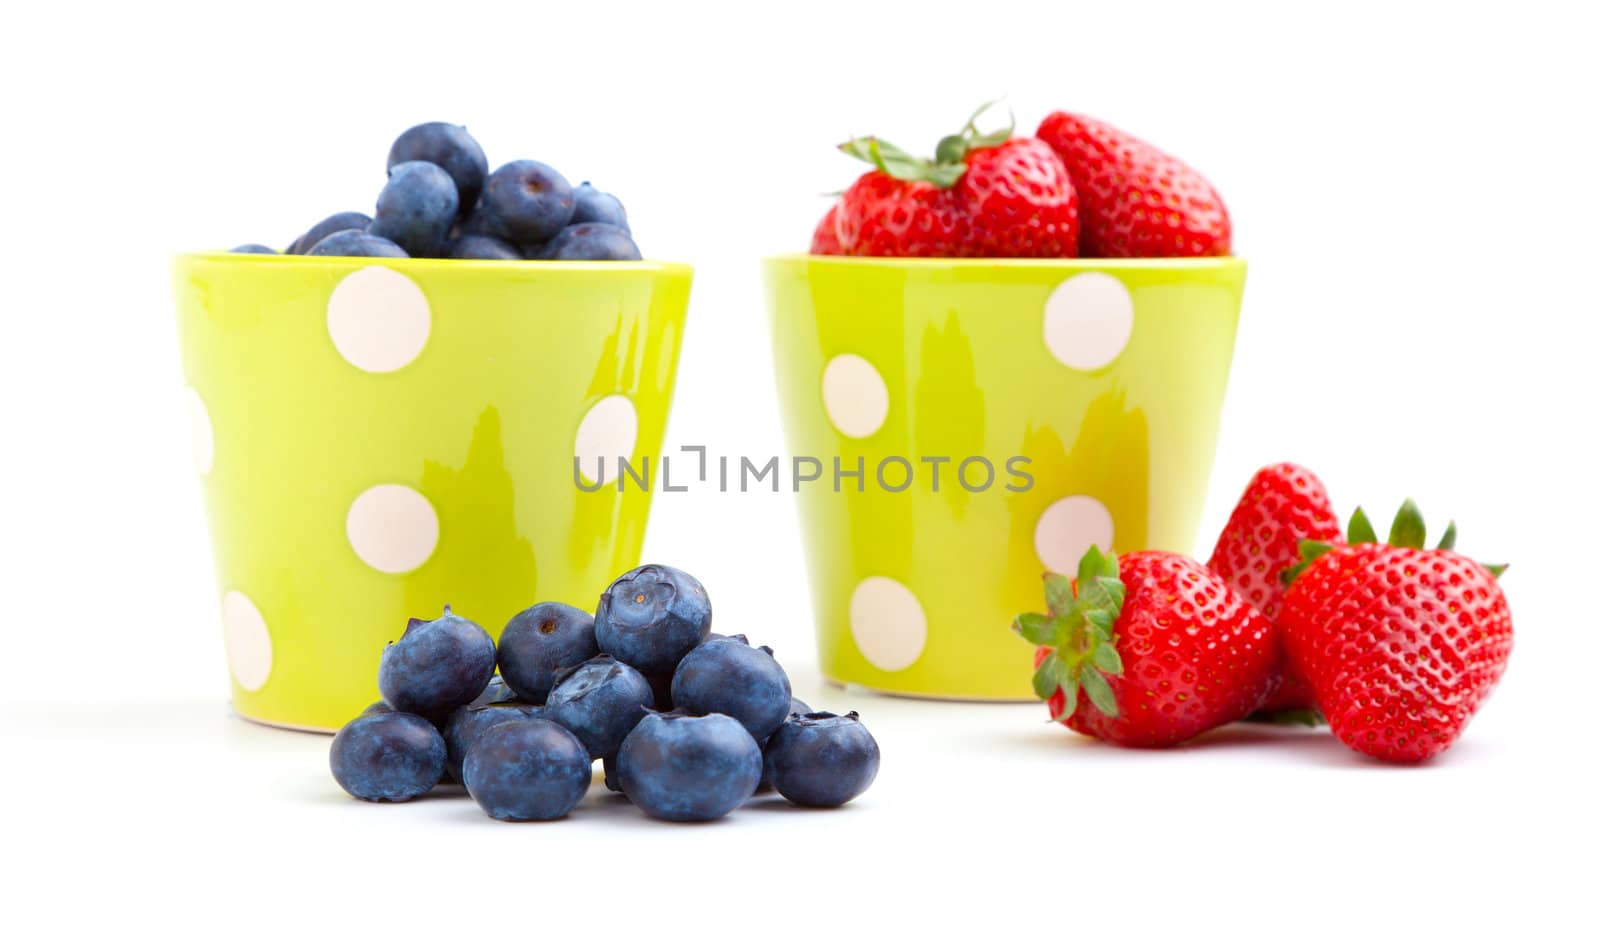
x=441 y=201
x=688 y=723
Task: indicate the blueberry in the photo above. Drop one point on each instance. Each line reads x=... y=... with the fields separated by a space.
x=449 y=147
x=796 y=709
x=822 y=759
x=527 y=770
x=416 y=209
x=651 y=617
x=388 y=757
x=356 y=244
x=436 y=666
x=339 y=221
x=466 y=724
x=591 y=205
x=600 y=701
x=496 y=692
x=252 y=249
x=484 y=247
x=592 y=241
x=483 y=222
x=728 y=677
x=528 y=200
x=377 y=707
x=683 y=768
x=480 y=221
x=541 y=642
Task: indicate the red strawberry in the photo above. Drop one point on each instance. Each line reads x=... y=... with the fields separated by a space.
x=983 y=195
x=825 y=240
x=1161 y=648
x=1137 y=202
x=1019 y=202
x=1400 y=643
x=880 y=216
x=1283 y=505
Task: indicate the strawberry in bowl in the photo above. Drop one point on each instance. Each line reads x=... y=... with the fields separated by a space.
x=981 y=195
x=1137 y=201
x=1078 y=188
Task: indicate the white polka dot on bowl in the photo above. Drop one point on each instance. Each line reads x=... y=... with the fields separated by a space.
x=854 y=395
x=392 y=528
x=1088 y=320
x=605 y=436
x=201 y=434
x=378 y=319
x=1067 y=529
x=887 y=623
x=247 y=640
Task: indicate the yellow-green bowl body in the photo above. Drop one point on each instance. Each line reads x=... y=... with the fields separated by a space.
x=1106 y=379
x=378 y=438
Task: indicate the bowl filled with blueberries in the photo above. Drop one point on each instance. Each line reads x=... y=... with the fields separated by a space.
x=428 y=402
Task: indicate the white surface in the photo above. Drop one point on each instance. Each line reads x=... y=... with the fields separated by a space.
x=1411 y=187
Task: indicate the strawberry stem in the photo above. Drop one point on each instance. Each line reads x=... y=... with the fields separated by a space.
x=949 y=155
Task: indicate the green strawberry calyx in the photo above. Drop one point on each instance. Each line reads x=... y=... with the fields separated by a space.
x=1078 y=631
x=1406 y=531
x=949 y=159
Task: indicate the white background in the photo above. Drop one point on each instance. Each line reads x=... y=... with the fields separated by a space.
x=1415 y=192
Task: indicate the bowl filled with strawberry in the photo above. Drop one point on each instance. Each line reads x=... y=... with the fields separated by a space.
x=992 y=359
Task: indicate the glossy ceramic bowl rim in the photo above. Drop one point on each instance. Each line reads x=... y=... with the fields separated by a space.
x=975 y=264
x=303 y=261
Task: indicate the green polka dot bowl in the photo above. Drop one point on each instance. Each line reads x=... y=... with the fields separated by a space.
x=973 y=423
x=377 y=438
